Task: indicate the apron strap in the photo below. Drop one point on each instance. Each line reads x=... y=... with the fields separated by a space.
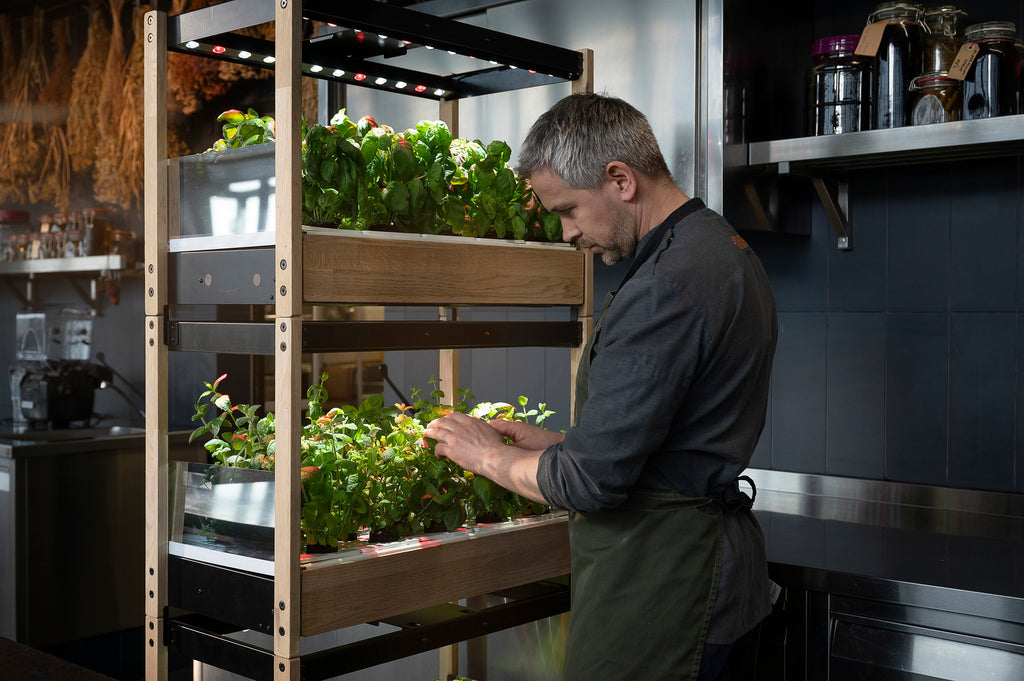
x=733 y=499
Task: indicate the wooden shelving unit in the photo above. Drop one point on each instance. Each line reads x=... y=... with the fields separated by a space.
x=296 y=266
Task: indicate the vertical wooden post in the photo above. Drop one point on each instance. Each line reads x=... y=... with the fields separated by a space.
x=585 y=311
x=448 y=375
x=155 y=282
x=448 y=360
x=288 y=337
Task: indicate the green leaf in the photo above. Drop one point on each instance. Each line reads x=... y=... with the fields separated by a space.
x=328 y=169
x=396 y=198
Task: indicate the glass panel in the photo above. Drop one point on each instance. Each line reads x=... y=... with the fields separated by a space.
x=227 y=192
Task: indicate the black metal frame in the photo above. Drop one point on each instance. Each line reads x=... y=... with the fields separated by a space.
x=205 y=639
x=517 y=62
x=257 y=338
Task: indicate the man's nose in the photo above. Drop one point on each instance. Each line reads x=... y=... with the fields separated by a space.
x=569 y=231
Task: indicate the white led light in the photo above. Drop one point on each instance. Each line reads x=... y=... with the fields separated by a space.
x=269 y=59
x=382 y=36
x=400 y=84
x=316 y=68
x=381 y=81
x=338 y=73
x=451 y=52
x=494 y=62
x=244 y=54
x=512 y=66
x=429 y=47
x=191 y=44
x=439 y=92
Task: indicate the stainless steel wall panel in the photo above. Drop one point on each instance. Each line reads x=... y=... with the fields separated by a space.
x=644 y=52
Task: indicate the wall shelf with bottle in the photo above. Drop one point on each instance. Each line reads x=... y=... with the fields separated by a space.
x=914 y=85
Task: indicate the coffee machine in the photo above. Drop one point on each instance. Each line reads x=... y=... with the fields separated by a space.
x=53 y=383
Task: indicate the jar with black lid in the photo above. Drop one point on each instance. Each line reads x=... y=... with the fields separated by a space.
x=838 y=87
x=944 y=37
x=897 y=62
x=936 y=98
x=992 y=86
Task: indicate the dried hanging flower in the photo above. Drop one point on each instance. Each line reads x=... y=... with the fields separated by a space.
x=83 y=107
x=20 y=146
x=120 y=181
x=54 y=180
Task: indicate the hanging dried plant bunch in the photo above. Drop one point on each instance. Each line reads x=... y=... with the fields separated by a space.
x=54 y=180
x=20 y=146
x=83 y=107
x=8 y=56
x=110 y=85
x=120 y=181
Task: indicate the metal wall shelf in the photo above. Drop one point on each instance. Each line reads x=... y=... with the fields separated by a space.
x=985 y=138
x=94 y=267
x=827 y=158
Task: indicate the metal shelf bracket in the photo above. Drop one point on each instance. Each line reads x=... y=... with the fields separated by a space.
x=837 y=209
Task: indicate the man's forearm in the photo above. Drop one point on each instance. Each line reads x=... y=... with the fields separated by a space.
x=514 y=469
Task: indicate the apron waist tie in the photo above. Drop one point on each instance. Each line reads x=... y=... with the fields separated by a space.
x=733 y=499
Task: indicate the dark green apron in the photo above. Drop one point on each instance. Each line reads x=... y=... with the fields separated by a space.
x=644 y=578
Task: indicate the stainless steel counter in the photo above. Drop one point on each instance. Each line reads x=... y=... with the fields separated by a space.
x=961 y=539
x=891 y=581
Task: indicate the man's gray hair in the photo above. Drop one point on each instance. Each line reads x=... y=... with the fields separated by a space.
x=581 y=134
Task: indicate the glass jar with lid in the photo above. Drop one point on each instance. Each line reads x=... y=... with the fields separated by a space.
x=944 y=37
x=992 y=86
x=838 y=87
x=897 y=62
x=936 y=98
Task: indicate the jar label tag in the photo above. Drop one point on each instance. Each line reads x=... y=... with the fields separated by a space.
x=964 y=60
x=871 y=39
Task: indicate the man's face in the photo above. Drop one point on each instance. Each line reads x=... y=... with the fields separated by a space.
x=594 y=220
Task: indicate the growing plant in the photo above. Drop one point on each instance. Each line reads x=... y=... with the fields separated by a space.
x=243 y=129
x=367 y=466
x=364 y=175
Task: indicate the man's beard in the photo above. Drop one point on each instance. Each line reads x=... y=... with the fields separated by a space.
x=622 y=239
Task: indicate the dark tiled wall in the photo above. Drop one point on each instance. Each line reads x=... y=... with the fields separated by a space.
x=898 y=360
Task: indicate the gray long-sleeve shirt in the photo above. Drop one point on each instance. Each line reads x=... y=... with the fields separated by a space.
x=678 y=389
x=680 y=371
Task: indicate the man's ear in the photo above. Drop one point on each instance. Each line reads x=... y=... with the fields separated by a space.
x=623 y=178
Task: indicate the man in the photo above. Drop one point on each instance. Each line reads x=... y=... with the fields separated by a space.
x=668 y=563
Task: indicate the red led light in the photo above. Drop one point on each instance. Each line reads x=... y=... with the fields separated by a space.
x=217 y=49
x=360 y=76
x=421 y=88
x=360 y=36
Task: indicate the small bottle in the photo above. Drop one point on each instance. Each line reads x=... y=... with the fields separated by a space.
x=838 y=87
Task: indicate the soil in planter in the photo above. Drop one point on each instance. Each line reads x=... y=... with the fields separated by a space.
x=384 y=535
x=320 y=548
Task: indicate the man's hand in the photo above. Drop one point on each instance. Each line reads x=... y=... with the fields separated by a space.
x=478 y=446
x=525 y=436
